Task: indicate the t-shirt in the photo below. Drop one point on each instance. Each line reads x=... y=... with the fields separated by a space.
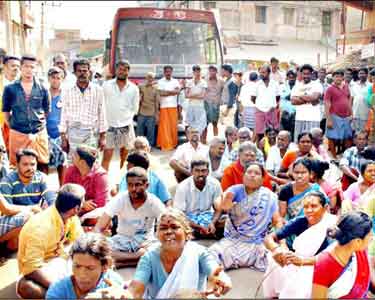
x=135 y=221
x=64 y=289
x=339 y=99
x=196 y=89
x=168 y=85
x=307 y=112
x=150 y=271
x=248 y=220
x=295 y=227
x=247 y=90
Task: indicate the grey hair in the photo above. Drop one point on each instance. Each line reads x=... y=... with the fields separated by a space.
x=316 y=130
x=216 y=141
x=287 y=133
x=229 y=130
x=141 y=139
x=247 y=146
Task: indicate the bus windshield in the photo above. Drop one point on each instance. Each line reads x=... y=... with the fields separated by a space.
x=145 y=41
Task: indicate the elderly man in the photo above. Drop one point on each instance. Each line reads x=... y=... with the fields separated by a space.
x=251 y=209
x=60 y=61
x=25 y=106
x=231 y=137
x=195 y=196
x=277 y=152
x=233 y=174
x=317 y=141
x=181 y=159
x=83 y=116
x=136 y=210
x=41 y=258
x=215 y=157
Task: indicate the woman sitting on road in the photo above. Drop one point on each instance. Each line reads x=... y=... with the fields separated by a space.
x=176 y=263
x=92 y=263
x=343 y=270
x=291 y=195
x=284 y=266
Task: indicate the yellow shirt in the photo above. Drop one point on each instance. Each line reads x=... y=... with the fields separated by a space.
x=42 y=238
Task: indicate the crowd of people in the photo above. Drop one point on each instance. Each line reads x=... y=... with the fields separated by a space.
x=263 y=192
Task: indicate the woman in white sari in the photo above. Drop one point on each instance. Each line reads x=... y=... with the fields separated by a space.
x=289 y=273
x=177 y=263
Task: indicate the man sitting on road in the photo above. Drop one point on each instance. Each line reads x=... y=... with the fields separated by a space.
x=251 y=209
x=215 y=157
x=181 y=159
x=41 y=257
x=86 y=172
x=195 y=196
x=136 y=210
x=155 y=185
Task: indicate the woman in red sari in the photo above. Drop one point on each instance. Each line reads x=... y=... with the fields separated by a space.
x=343 y=271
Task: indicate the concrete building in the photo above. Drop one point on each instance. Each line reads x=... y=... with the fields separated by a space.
x=303 y=31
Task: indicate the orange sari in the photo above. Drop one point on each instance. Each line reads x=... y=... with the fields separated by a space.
x=167 y=130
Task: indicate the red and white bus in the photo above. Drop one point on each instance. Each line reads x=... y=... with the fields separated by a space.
x=150 y=38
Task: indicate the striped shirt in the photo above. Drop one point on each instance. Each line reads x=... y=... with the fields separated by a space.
x=351 y=158
x=15 y=192
x=87 y=108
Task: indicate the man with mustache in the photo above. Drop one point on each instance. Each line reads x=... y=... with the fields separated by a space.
x=83 y=116
x=136 y=211
x=23 y=192
x=195 y=196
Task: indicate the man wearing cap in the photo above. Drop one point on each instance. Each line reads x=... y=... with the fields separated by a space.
x=83 y=116
x=25 y=106
x=57 y=157
x=212 y=100
x=59 y=60
x=121 y=103
x=195 y=92
x=169 y=88
x=148 y=109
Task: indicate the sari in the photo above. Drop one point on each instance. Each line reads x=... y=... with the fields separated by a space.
x=296 y=281
x=295 y=204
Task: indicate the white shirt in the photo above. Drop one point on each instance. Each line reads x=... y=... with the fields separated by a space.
x=134 y=221
x=359 y=92
x=121 y=105
x=196 y=89
x=274 y=158
x=247 y=90
x=168 y=85
x=189 y=199
x=307 y=112
x=266 y=96
x=278 y=76
x=185 y=153
x=69 y=80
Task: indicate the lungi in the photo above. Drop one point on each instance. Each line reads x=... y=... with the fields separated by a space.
x=358 y=124
x=79 y=135
x=120 y=137
x=126 y=244
x=196 y=117
x=212 y=112
x=266 y=119
x=5 y=131
x=8 y=223
x=167 y=131
x=304 y=126
x=248 y=117
x=57 y=156
x=38 y=142
x=341 y=130
x=236 y=254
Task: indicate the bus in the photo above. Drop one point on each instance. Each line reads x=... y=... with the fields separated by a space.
x=150 y=38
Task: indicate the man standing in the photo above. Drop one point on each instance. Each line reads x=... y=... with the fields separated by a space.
x=305 y=96
x=25 y=106
x=181 y=159
x=11 y=71
x=121 y=104
x=212 y=101
x=195 y=196
x=57 y=157
x=60 y=61
x=83 y=115
x=276 y=74
x=288 y=110
x=148 y=114
x=169 y=88
x=266 y=99
x=360 y=106
x=338 y=108
x=195 y=92
x=322 y=74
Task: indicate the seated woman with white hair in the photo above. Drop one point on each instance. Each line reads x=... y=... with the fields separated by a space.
x=176 y=263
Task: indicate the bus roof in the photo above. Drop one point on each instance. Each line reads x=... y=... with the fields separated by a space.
x=165 y=14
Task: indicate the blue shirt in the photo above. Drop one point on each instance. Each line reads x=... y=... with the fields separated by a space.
x=64 y=289
x=54 y=117
x=155 y=186
x=15 y=192
x=27 y=116
x=151 y=273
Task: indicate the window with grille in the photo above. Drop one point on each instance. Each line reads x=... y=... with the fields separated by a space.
x=289 y=15
x=326 y=21
x=261 y=14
